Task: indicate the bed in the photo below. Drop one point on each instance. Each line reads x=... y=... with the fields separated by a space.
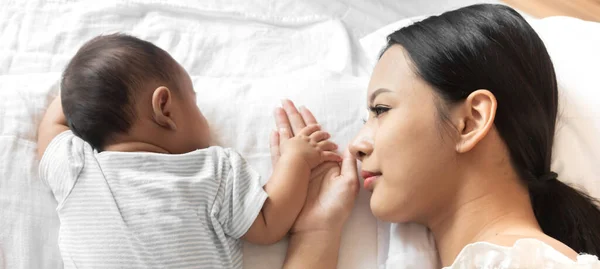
x=244 y=56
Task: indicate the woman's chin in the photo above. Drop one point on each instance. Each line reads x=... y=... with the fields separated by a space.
x=380 y=209
x=383 y=210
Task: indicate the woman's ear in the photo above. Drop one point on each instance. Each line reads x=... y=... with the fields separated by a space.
x=475 y=119
x=162 y=107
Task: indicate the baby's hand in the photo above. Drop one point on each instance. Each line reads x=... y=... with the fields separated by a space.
x=311 y=144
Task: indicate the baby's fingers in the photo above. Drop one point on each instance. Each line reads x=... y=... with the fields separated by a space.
x=327 y=145
x=329 y=156
x=319 y=136
x=309 y=130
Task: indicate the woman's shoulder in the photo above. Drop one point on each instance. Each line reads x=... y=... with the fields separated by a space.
x=525 y=253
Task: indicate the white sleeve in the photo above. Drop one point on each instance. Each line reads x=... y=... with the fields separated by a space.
x=243 y=196
x=61 y=164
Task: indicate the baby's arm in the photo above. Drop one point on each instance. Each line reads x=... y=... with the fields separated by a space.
x=288 y=184
x=53 y=123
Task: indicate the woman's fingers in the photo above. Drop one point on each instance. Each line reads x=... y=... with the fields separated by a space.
x=281 y=119
x=307 y=116
x=274 y=146
x=349 y=171
x=294 y=117
x=284 y=135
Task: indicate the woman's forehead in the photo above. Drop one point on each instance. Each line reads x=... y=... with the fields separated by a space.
x=393 y=72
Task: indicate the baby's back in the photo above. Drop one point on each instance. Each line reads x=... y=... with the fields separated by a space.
x=139 y=210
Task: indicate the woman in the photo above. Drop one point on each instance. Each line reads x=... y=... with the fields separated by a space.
x=459 y=138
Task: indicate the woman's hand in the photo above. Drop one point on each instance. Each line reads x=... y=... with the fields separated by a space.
x=330 y=199
x=333 y=186
x=315 y=236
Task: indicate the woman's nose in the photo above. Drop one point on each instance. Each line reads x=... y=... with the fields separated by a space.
x=362 y=145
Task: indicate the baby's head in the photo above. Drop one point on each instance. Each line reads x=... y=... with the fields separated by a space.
x=126 y=94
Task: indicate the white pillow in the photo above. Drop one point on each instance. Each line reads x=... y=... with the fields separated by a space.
x=574 y=46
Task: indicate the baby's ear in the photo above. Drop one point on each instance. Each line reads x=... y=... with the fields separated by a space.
x=162 y=107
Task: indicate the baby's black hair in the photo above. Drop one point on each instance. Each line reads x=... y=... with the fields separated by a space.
x=100 y=84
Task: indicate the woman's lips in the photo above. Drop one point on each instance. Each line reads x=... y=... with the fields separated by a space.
x=370 y=178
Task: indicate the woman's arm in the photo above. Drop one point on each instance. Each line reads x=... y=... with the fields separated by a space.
x=315 y=237
x=318 y=249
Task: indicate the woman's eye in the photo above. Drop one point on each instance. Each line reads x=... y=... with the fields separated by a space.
x=379 y=109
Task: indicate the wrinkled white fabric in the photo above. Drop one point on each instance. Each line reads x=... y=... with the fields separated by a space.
x=524 y=254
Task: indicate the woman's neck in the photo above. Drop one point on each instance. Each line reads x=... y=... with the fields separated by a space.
x=491 y=209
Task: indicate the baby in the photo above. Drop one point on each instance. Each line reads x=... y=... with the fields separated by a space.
x=126 y=152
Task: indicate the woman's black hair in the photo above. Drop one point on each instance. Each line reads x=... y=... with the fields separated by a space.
x=493 y=47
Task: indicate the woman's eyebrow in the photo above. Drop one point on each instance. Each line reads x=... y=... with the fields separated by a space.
x=377 y=92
